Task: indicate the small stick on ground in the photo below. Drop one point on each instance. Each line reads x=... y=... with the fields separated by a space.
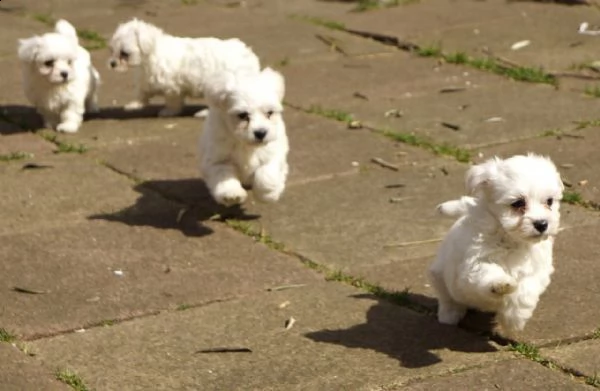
x=284 y=287
x=385 y=164
x=225 y=350
x=414 y=243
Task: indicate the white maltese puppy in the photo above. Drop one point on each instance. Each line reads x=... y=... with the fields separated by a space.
x=58 y=77
x=174 y=67
x=497 y=257
x=244 y=144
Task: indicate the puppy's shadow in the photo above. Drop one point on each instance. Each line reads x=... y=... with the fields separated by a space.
x=185 y=205
x=18 y=119
x=404 y=335
x=150 y=111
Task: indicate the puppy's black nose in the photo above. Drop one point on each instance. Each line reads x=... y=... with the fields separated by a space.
x=64 y=74
x=260 y=134
x=541 y=225
x=113 y=63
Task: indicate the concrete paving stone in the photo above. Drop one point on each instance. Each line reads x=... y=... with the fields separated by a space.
x=347 y=222
x=19 y=372
x=28 y=143
x=574 y=154
x=64 y=190
x=505 y=375
x=412 y=87
x=75 y=268
x=342 y=339
x=581 y=357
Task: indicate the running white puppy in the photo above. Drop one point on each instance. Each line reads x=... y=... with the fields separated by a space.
x=498 y=256
x=174 y=67
x=244 y=144
x=58 y=77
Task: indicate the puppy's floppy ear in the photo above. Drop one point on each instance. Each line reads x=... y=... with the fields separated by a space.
x=145 y=34
x=220 y=89
x=479 y=175
x=274 y=80
x=65 y=28
x=29 y=48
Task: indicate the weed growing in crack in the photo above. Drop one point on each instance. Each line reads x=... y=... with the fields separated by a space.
x=334 y=114
x=527 y=350
x=259 y=236
x=368 y=5
x=14 y=156
x=6 y=336
x=592 y=91
x=572 y=197
x=70 y=378
x=460 y=154
x=92 y=40
x=330 y=24
x=64 y=147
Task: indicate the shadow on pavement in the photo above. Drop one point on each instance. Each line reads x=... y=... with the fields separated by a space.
x=404 y=335
x=183 y=205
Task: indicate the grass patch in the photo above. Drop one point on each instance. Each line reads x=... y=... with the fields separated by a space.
x=183 y=307
x=64 y=147
x=330 y=24
x=587 y=124
x=334 y=114
x=46 y=19
x=592 y=91
x=368 y=5
x=596 y=333
x=14 y=156
x=107 y=323
x=5 y=336
x=527 y=350
x=460 y=154
x=71 y=379
x=593 y=381
x=429 y=51
x=259 y=236
x=189 y=2
x=572 y=197
x=93 y=40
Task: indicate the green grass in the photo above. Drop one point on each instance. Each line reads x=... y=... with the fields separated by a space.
x=572 y=197
x=330 y=24
x=259 y=236
x=189 y=2
x=334 y=114
x=107 y=323
x=587 y=124
x=64 y=147
x=460 y=154
x=368 y=5
x=592 y=91
x=15 y=156
x=593 y=381
x=71 y=379
x=92 y=40
x=5 y=336
x=283 y=62
x=596 y=333
x=429 y=51
x=183 y=307
x=527 y=350
x=46 y=19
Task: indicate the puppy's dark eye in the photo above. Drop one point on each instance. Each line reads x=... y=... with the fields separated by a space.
x=49 y=63
x=549 y=201
x=123 y=54
x=269 y=113
x=244 y=116
x=519 y=204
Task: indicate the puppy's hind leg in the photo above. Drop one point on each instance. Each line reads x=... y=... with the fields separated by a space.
x=91 y=100
x=173 y=106
x=449 y=311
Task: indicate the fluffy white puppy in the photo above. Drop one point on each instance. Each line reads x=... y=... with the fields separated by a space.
x=58 y=77
x=174 y=67
x=244 y=144
x=497 y=257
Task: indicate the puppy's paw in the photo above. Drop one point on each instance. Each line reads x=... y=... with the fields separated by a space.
x=169 y=112
x=67 y=127
x=504 y=287
x=230 y=193
x=511 y=325
x=134 y=105
x=450 y=314
x=201 y=113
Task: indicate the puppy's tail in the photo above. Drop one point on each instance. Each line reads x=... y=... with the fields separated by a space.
x=65 y=28
x=456 y=208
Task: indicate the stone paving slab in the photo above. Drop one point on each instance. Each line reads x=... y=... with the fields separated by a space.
x=412 y=86
x=74 y=268
x=506 y=375
x=574 y=154
x=581 y=357
x=28 y=143
x=341 y=339
x=19 y=372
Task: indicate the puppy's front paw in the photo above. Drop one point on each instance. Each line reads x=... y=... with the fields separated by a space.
x=133 y=105
x=505 y=287
x=230 y=193
x=450 y=314
x=68 y=127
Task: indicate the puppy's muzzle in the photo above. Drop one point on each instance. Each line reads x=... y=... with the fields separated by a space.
x=540 y=225
x=64 y=75
x=260 y=134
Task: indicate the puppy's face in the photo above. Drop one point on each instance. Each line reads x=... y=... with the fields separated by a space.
x=53 y=56
x=522 y=192
x=124 y=48
x=253 y=108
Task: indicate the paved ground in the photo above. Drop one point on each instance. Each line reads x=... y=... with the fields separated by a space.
x=117 y=276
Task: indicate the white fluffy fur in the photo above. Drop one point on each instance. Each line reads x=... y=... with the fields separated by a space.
x=494 y=258
x=58 y=77
x=174 y=67
x=244 y=143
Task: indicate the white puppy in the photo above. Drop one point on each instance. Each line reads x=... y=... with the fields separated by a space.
x=498 y=256
x=174 y=67
x=58 y=77
x=244 y=143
